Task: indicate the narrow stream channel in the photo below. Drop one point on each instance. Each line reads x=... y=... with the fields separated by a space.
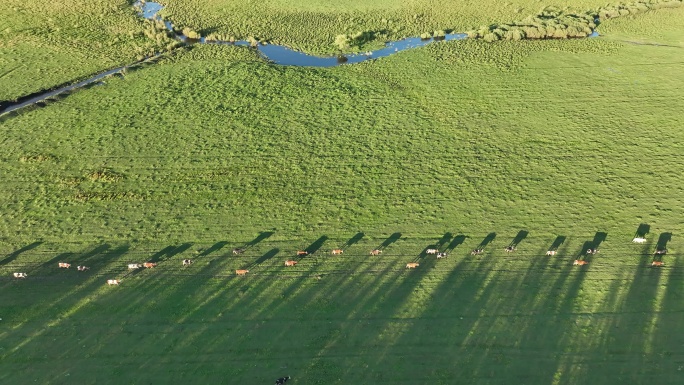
x=275 y=54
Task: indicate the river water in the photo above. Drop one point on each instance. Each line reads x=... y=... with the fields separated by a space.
x=276 y=54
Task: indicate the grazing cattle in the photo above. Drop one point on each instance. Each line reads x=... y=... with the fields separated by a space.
x=82 y=268
x=241 y=272
x=187 y=262
x=113 y=282
x=337 y=251
x=149 y=265
x=661 y=252
x=302 y=252
x=20 y=275
x=290 y=263
x=431 y=251
x=551 y=252
x=592 y=251
x=282 y=380
x=238 y=251
x=412 y=265
x=441 y=255
x=639 y=240
x=64 y=265
x=579 y=262
x=476 y=251
x=376 y=252
x=133 y=266
x=657 y=263
x=510 y=249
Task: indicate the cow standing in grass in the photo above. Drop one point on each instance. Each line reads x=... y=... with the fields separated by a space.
x=82 y=268
x=510 y=249
x=431 y=251
x=64 y=265
x=579 y=262
x=551 y=252
x=20 y=275
x=376 y=252
x=282 y=380
x=337 y=252
x=290 y=263
x=412 y=265
x=241 y=272
x=238 y=251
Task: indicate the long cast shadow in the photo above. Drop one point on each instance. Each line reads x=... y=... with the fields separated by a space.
x=557 y=243
x=12 y=256
x=642 y=231
x=486 y=241
x=390 y=240
x=522 y=234
x=355 y=239
x=169 y=252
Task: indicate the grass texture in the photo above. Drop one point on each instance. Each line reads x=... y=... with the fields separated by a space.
x=457 y=146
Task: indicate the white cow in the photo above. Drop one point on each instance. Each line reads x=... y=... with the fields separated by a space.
x=133 y=266
x=431 y=251
x=113 y=282
x=639 y=240
x=20 y=275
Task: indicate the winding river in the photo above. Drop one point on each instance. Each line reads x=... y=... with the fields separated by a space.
x=275 y=54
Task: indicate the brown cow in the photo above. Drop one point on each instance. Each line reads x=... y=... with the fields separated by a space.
x=376 y=252
x=113 y=282
x=64 y=265
x=241 y=272
x=337 y=251
x=290 y=263
x=551 y=252
x=657 y=263
x=82 y=268
x=412 y=265
x=579 y=262
x=149 y=265
x=20 y=275
x=302 y=252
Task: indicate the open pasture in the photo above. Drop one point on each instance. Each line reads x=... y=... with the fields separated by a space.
x=344 y=319
x=312 y=26
x=47 y=43
x=456 y=147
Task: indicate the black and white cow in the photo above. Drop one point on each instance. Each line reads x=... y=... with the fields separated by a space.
x=282 y=380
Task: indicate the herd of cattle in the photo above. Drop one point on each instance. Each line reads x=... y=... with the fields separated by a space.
x=375 y=252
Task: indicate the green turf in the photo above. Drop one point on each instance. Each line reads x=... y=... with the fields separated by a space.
x=212 y=149
x=313 y=26
x=47 y=43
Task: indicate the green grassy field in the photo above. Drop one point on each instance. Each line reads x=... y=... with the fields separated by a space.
x=312 y=26
x=447 y=146
x=45 y=44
